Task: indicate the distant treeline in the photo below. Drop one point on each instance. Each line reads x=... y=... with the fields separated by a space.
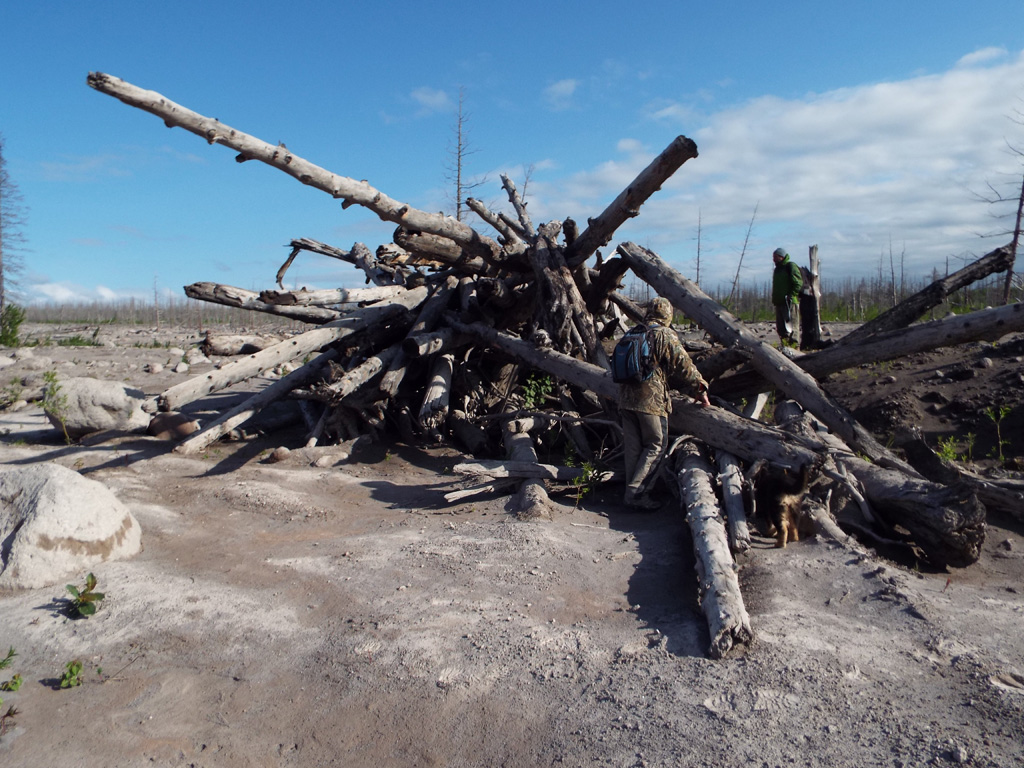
x=852 y=301
x=844 y=300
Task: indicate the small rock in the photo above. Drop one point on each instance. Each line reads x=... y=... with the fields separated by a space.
x=279 y=454
x=153 y=367
x=181 y=367
x=985 y=362
x=171 y=426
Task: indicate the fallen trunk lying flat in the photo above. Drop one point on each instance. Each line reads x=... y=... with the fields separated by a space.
x=181 y=394
x=719 y=587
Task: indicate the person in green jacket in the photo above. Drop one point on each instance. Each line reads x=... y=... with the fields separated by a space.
x=786 y=284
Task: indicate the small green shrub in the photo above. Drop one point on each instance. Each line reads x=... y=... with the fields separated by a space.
x=55 y=402
x=84 y=601
x=11 y=685
x=11 y=318
x=72 y=674
x=536 y=390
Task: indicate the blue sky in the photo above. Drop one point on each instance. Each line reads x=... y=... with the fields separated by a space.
x=866 y=128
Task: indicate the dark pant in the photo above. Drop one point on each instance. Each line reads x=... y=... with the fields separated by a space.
x=785 y=321
x=644 y=439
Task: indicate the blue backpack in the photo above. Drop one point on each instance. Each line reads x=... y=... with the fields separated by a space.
x=632 y=362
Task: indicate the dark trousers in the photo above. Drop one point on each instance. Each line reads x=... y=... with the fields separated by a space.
x=644 y=440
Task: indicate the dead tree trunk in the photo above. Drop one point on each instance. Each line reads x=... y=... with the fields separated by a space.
x=531 y=500
x=810 y=303
x=719 y=588
x=181 y=394
x=908 y=310
x=350 y=191
x=230 y=296
x=985 y=324
x=771 y=363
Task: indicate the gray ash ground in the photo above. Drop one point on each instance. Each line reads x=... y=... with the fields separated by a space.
x=291 y=615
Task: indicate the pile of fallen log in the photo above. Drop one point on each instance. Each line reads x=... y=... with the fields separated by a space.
x=497 y=344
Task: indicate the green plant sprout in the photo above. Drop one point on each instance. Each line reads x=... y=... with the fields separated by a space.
x=997 y=414
x=6 y=661
x=84 y=601
x=55 y=402
x=6 y=719
x=11 y=685
x=72 y=674
x=536 y=389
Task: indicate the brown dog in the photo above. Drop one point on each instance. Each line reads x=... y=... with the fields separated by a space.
x=779 y=494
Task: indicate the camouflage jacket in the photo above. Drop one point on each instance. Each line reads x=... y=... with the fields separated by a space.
x=674 y=366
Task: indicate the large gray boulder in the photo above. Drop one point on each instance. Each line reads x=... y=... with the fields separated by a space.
x=56 y=525
x=86 y=405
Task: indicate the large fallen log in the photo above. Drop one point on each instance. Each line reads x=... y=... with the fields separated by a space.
x=241 y=413
x=983 y=325
x=908 y=310
x=770 y=363
x=199 y=386
x=950 y=525
x=350 y=191
x=231 y=296
x=329 y=296
x=719 y=587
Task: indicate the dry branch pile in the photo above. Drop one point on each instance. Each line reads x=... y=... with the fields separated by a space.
x=498 y=344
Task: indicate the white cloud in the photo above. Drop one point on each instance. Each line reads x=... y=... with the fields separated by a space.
x=432 y=100
x=559 y=95
x=983 y=56
x=850 y=170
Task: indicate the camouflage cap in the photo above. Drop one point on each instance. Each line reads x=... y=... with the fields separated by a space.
x=660 y=311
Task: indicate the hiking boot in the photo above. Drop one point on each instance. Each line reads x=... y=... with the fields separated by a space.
x=643 y=504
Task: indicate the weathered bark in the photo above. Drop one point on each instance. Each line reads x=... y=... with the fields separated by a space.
x=229 y=296
x=908 y=310
x=719 y=588
x=337 y=391
x=947 y=522
x=228 y=345
x=199 y=386
x=524 y=469
x=435 y=401
x=627 y=205
x=330 y=296
x=731 y=479
x=810 y=299
x=246 y=410
x=951 y=532
x=985 y=324
x=531 y=500
x=520 y=207
x=350 y=191
x=425 y=322
x=1004 y=495
x=771 y=363
x=440 y=249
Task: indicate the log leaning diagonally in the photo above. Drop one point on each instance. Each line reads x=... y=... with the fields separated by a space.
x=351 y=191
x=770 y=363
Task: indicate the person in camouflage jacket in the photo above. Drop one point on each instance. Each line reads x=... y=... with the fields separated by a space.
x=644 y=407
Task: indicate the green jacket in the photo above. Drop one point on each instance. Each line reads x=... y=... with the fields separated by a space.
x=786 y=282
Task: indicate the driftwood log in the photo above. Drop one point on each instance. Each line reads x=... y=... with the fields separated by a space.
x=719 y=588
